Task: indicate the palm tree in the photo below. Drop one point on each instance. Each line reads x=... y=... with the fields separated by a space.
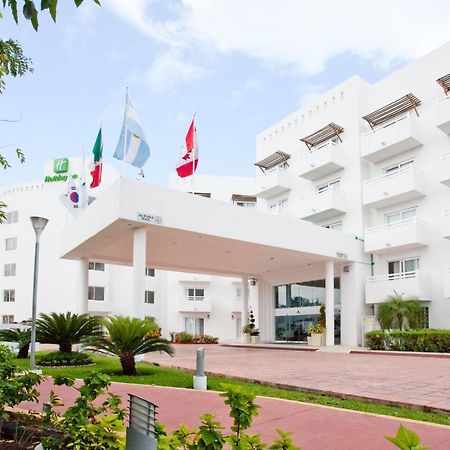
x=128 y=337
x=66 y=329
x=399 y=312
x=21 y=336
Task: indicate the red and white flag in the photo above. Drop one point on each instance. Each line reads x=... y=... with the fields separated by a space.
x=188 y=162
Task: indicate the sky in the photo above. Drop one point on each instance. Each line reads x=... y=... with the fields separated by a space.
x=240 y=65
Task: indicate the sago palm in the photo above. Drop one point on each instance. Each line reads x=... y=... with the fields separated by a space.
x=66 y=329
x=127 y=337
x=19 y=335
x=399 y=312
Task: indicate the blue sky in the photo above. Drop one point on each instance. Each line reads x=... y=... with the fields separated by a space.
x=240 y=65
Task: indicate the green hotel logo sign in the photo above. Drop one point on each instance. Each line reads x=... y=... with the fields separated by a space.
x=61 y=165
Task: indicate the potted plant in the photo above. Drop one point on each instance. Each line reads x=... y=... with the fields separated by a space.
x=249 y=330
x=316 y=333
x=246 y=330
x=254 y=336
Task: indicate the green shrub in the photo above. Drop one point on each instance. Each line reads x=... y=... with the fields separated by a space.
x=206 y=339
x=436 y=341
x=184 y=338
x=57 y=359
x=187 y=338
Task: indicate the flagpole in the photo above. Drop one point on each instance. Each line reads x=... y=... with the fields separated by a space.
x=193 y=151
x=83 y=175
x=125 y=124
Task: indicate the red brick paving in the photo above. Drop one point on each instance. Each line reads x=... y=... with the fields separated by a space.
x=417 y=381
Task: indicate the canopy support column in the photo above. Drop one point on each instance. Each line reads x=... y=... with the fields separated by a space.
x=84 y=286
x=329 y=302
x=244 y=314
x=139 y=263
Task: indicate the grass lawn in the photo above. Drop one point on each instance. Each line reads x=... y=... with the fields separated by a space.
x=161 y=376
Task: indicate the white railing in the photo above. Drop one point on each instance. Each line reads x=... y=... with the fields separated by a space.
x=393 y=276
x=323 y=145
x=443 y=99
x=316 y=193
x=393 y=173
x=191 y=298
x=389 y=226
x=272 y=170
x=388 y=124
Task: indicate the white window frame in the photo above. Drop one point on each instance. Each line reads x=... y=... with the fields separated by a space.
x=97 y=266
x=197 y=294
x=402 y=263
x=395 y=168
x=149 y=272
x=9 y=270
x=10 y=244
x=196 y=329
x=333 y=184
x=12 y=217
x=94 y=293
x=403 y=213
x=9 y=295
x=244 y=204
x=7 y=318
x=149 y=297
x=334 y=226
x=278 y=207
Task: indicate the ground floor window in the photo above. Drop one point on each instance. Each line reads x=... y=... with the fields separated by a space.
x=238 y=333
x=150 y=297
x=9 y=295
x=424 y=319
x=194 y=325
x=96 y=293
x=7 y=319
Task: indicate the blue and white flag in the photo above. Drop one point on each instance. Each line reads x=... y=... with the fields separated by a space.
x=132 y=147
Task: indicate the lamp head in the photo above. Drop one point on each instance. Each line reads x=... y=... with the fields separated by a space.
x=38 y=224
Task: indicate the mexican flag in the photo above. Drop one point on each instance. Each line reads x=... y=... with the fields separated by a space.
x=96 y=171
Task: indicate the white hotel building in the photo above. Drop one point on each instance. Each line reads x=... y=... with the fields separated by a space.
x=348 y=205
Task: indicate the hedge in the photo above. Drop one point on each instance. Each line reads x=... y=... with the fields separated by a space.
x=437 y=341
x=186 y=338
x=57 y=359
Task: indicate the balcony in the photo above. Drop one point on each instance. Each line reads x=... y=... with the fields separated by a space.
x=445 y=227
x=195 y=278
x=401 y=185
x=447 y=282
x=391 y=139
x=443 y=114
x=406 y=234
x=414 y=284
x=237 y=305
x=323 y=205
x=444 y=169
x=322 y=161
x=188 y=305
x=273 y=182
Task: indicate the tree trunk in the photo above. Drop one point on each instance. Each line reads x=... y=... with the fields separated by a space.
x=128 y=364
x=65 y=347
x=23 y=351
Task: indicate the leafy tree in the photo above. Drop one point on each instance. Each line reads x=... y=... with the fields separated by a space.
x=21 y=336
x=128 y=337
x=66 y=329
x=398 y=312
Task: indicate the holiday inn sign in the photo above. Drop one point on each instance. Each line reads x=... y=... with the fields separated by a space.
x=60 y=169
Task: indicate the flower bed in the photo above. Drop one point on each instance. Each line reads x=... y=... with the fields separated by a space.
x=187 y=338
x=437 y=341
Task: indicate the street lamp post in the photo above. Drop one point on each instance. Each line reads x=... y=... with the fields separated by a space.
x=39 y=224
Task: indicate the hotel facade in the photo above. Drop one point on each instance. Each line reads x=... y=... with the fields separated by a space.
x=349 y=205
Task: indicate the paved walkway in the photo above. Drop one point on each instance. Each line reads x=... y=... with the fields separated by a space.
x=393 y=379
x=314 y=427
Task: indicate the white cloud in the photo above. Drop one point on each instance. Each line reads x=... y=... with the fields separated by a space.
x=298 y=35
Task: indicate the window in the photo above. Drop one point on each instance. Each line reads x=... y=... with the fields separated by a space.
x=278 y=207
x=10 y=244
x=400 y=216
x=96 y=266
x=335 y=184
x=150 y=297
x=12 y=217
x=7 y=319
x=96 y=293
x=406 y=267
x=337 y=226
x=10 y=270
x=149 y=272
x=424 y=318
x=245 y=204
x=9 y=295
x=238 y=292
x=195 y=294
x=194 y=325
x=397 y=167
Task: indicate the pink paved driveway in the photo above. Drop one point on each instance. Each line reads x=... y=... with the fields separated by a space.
x=399 y=379
x=314 y=427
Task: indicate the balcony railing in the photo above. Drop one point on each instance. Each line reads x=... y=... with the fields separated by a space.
x=274 y=182
x=406 y=183
x=328 y=203
x=322 y=161
x=197 y=304
x=444 y=169
x=404 y=234
x=443 y=114
x=413 y=284
x=392 y=138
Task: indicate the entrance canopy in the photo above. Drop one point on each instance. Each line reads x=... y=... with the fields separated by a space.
x=189 y=233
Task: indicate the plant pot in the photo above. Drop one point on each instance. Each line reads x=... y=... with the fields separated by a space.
x=254 y=339
x=246 y=338
x=308 y=340
x=316 y=339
